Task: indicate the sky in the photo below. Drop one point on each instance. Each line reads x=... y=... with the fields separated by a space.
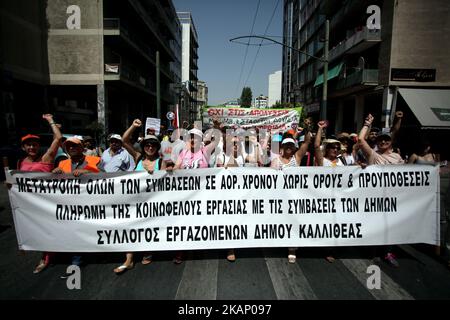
x=220 y=61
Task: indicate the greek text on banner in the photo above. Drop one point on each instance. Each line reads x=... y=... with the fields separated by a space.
x=226 y=208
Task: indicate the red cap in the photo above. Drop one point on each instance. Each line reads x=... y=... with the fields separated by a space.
x=291 y=131
x=29 y=136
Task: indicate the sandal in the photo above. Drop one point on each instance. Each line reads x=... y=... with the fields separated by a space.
x=121 y=269
x=231 y=256
x=178 y=258
x=292 y=258
x=147 y=259
x=40 y=267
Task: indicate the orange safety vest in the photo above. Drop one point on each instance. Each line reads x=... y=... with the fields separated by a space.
x=66 y=165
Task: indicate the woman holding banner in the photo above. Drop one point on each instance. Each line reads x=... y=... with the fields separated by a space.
x=290 y=156
x=328 y=156
x=196 y=156
x=147 y=159
x=231 y=156
x=34 y=161
x=382 y=156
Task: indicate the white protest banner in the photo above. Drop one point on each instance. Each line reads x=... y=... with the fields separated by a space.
x=269 y=119
x=112 y=68
x=153 y=124
x=226 y=208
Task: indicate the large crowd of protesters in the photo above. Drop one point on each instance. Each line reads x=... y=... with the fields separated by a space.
x=219 y=146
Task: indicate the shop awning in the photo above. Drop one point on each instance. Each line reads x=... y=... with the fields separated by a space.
x=430 y=106
x=332 y=73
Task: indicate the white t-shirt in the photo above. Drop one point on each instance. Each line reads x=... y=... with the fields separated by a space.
x=350 y=160
x=224 y=159
x=335 y=163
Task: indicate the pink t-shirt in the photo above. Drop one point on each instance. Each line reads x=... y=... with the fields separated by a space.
x=36 y=166
x=199 y=159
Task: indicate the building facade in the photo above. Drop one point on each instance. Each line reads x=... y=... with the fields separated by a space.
x=274 y=88
x=261 y=102
x=189 y=65
x=96 y=65
x=202 y=96
x=384 y=56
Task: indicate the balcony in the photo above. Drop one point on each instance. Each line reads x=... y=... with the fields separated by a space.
x=169 y=24
x=193 y=75
x=193 y=86
x=360 y=41
x=364 y=77
x=328 y=7
x=152 y=26
x=111 y=26
x=194 y=65
x=116 y=27
x=166 y=70
x=194 y=53
x=127 y=72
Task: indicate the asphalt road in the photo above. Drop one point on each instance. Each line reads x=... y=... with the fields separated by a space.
x=257 y=274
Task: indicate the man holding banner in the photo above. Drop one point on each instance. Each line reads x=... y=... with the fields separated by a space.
x=77 y=164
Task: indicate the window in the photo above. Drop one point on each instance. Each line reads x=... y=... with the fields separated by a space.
x=302 y=76
x=302 y=58
x=311 y=48
x=310 y=71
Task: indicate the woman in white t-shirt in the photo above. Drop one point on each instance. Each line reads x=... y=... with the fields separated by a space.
x=231 y=156
x=330 y=153
x=327 y=154
x=290 y=156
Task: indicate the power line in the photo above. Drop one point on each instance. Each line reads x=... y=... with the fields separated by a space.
x=246 y=50
x=259 y=47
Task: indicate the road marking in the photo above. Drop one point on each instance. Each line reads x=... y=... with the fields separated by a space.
x=199 y=280
x=288 y=280
x=390 y=290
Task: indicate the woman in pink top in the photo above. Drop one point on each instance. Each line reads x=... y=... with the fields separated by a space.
x=34 y=161
x=384 y=155
x=195 y=156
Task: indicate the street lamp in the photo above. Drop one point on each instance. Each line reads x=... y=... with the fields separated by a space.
x=323 y=111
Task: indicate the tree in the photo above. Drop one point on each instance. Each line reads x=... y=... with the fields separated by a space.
x=246 y=97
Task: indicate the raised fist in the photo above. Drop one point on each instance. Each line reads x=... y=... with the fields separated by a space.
x=323 y=124
x=47 y=117
x=369 y=120
x=137 y=123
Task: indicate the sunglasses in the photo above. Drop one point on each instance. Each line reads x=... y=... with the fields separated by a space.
x=148 y=145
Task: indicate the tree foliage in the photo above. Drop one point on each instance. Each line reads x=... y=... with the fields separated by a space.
x=246 y=97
